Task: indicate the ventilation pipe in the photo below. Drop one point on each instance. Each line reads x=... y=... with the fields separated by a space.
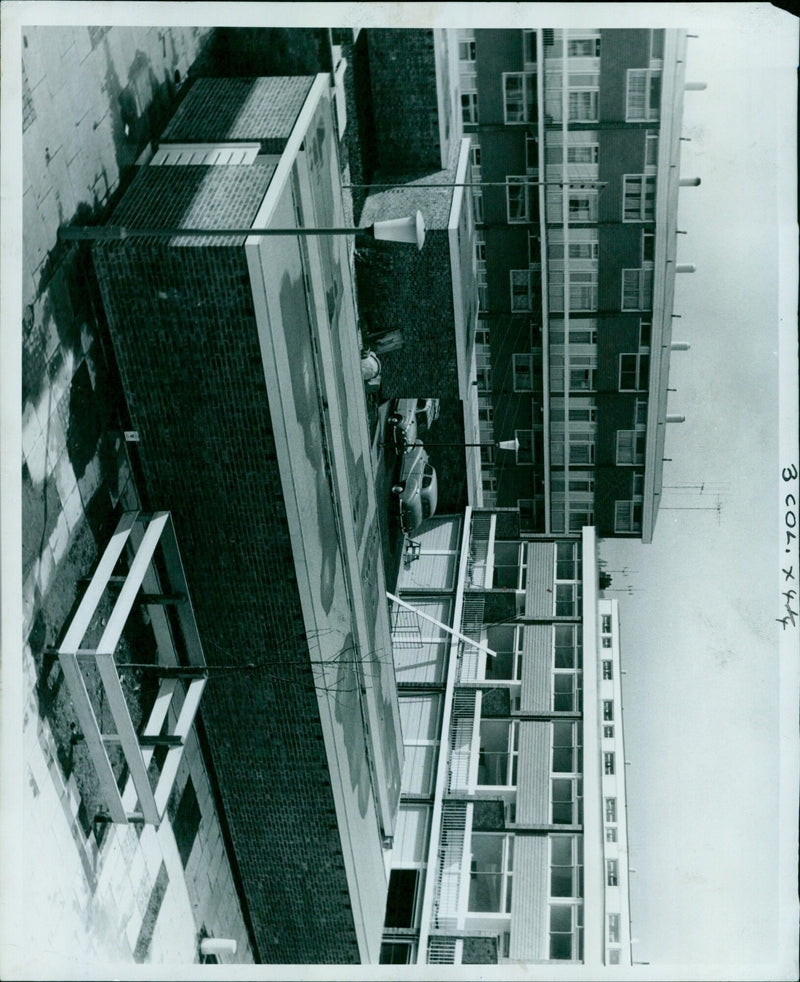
x=685 y=268
x=686 y=182
x=695 y=86
x=680 y=346
x=673 y=418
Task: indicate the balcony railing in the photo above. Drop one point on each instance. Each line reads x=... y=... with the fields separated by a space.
x=449 y=866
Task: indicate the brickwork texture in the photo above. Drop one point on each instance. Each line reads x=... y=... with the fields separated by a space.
x=403 y=74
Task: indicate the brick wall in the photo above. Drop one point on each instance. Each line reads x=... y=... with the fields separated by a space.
x=403 y=74
x=247 y=109
x=182 y=324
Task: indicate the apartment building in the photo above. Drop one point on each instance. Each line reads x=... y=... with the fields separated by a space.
x=511 y=840
x=574 y=174
x=576 y=147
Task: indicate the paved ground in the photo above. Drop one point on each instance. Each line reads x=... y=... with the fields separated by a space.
x=92 y=98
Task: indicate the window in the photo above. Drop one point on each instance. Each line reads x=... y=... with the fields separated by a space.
x=466 y=51
x=605 y=624
x=525 y=452
x=519 y=204
x=485 y=414
x=637 y=288
x=523 y=373
x=531 y=154
x=643 y=95
x=611 y=809
x=497 y=757
x=583 y=106
x=608 y=763
x=401 y=898
x=611 y=834
x=608 y=709
x=613 y=956
x=519 y=97
x=469 y=107
x=630 y=447
x=606 y=642
x=396 y=953
x=613 y=928
x=648 y=246
x=506 y=641
x=582 y=206
x=612 y=872
x=608 y=670
x=567 y=690
x=566 y=932
x=566 y=797
x=482 y=336
x=510 y=565
x=582 y=289
x=491 y=870
x=640 y=421
x=634 y=370
x=567 y=598
x=529 y=47
x=627 y=516
x=656 y=45
x=583 y=47
x=568 y=561
x=522 y=290
x=566 y=866
x=567 y=749
x=568 y=648
x=608 y=732
x=638 y=198
x=477 y=205
x=582 y=372
x=528 y=513
x=651 y=151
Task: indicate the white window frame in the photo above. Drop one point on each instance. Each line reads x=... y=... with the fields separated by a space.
x=524 y=278
x=626 y=442
x=650 y=153
x=576 y=932
x=585 y=209
x=635 y=188
x=624 y=517
x=506 y=872
x=637 y=285
x=638 y=104
x=522 y=365
x=575 y=866
x=519 y=209
x=469 y=108
x=466 y=44
x=522 y=114
x=638 y=386
x=527 y=435
x=511 y=751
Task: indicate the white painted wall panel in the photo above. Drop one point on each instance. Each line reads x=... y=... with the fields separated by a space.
x=411 y=835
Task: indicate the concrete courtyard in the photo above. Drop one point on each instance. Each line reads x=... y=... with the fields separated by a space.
x=92 y=98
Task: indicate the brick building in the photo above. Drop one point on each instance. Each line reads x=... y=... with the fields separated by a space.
x=575 y=143
x=511 y=841
x=241 y=367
